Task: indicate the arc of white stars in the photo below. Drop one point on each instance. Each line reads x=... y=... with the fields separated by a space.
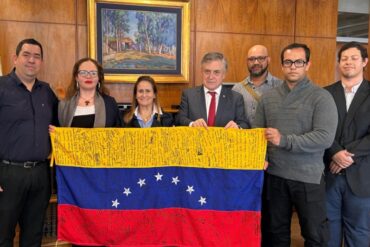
x=126 y=191
x=175 y=180
x=141 y=182
x=202 y=200
x=158 y=176
x=115 y=203
x=190 y=189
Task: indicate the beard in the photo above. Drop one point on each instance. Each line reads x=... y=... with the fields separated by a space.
x=257 y=73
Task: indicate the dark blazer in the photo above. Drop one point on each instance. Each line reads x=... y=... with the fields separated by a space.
x=113 y=116
x=230 y=107
x=106 y=111
x=166 y=120
x=353 y=134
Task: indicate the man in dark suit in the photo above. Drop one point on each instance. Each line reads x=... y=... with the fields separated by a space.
x=348 y=159
x=212 y=104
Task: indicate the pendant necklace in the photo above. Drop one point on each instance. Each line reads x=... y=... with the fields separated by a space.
x=87 y=101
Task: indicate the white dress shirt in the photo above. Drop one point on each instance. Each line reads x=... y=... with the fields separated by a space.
x=350 y=93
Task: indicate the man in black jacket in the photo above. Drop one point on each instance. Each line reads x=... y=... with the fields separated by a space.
x=348 y=159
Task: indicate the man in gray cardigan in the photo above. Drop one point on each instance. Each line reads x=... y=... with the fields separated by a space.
x=300 y=120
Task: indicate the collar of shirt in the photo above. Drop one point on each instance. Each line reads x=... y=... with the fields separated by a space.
x=349 y=95
x=20 y=83
x=155 y=111
x=218 y=91
x=209 y=97
x=353 y=89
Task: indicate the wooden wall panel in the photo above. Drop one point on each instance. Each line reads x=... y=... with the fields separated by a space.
x=50 y=11
x=82 y=42
x=229 y=26
x=316 y=18
x=323 y=52
x=235 y=48
x=82 y=12
x=56 y=41
x=246 y=16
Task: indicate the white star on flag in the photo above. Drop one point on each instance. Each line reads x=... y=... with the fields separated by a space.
x=127 y=191
x=158 y=176
x=141 y=182
x=115 y=203
x=175 y=180
x=190 y=189
x=202 y=200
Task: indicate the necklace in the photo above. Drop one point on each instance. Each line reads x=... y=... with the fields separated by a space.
x=87 y=101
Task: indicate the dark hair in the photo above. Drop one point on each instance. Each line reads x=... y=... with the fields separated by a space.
x=127 y=118
x=353 y=44
x=30 y=42
x=214 y=56
x=296 y=46
x=73 y=88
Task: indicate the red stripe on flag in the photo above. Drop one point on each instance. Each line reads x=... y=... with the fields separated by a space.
x=158 y=227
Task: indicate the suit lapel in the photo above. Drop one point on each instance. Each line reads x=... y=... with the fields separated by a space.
x=221 y=106
x=202 y=102
x=340 y=100
x=361 y=94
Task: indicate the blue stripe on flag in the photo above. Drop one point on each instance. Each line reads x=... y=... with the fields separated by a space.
x=155 y=188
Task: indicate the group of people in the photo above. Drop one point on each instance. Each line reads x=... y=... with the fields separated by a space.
x=318 y=155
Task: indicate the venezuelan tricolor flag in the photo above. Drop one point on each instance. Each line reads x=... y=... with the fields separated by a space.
x=159 y=186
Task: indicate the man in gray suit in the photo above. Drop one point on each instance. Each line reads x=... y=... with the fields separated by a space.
x=212 y=104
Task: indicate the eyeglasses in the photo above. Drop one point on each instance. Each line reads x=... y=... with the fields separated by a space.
x=260 y=59
x=85 y=73
x=297 y=63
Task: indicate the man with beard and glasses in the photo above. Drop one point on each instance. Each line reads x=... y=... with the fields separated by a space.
x=258 y=81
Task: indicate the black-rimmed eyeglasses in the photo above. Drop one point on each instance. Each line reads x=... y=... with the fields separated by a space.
x=260 y=59
x=297 y=63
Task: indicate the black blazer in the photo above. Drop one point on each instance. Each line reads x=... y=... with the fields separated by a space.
x=230 y=107
x=113 y=117
x=353 y=134
x=166 y=120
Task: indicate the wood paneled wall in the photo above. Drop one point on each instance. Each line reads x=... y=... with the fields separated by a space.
x=229 y=26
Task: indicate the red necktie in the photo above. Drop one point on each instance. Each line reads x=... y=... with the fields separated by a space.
x=212 y=110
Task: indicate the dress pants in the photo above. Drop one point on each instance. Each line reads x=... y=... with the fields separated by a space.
x=24 y=200
x=309 y=202
x=348 y=214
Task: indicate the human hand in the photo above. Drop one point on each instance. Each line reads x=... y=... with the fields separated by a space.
x=334 y=168
x=199 y=123
x=51 y=128
x=273 y=135
x=343 y=158
x=1 y=189
x=265 y=165
x=231 y=125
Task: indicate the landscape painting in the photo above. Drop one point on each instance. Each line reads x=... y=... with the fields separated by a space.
x=134 y=39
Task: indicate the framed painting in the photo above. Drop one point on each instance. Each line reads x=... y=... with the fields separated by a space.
x=130 y=38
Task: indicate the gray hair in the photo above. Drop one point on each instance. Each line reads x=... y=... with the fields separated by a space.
x=214 y=56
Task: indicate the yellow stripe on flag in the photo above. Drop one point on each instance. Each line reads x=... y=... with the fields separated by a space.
x=159 y=147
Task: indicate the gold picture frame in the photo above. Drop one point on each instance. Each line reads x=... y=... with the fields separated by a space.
x=140 y=37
